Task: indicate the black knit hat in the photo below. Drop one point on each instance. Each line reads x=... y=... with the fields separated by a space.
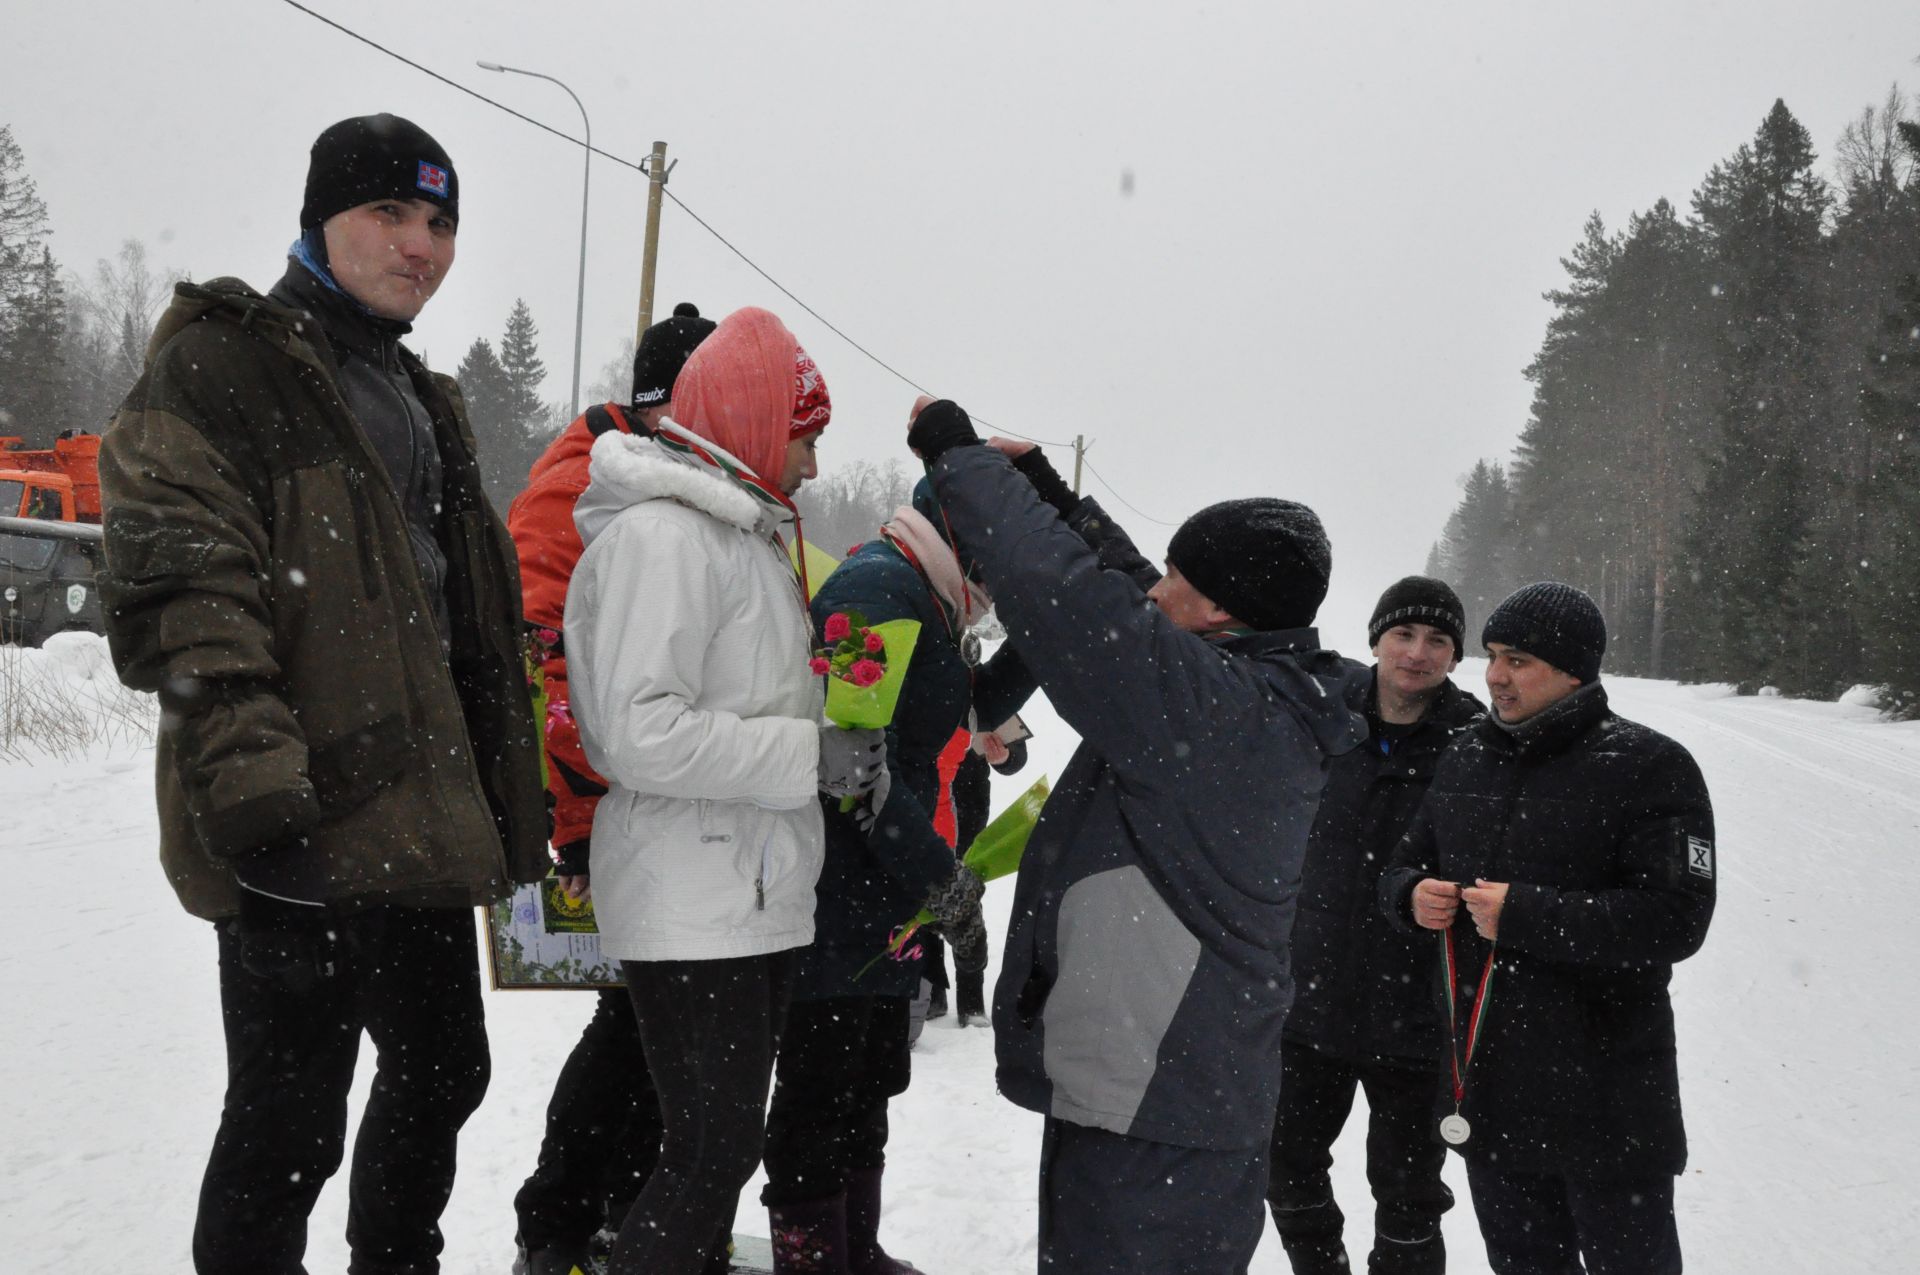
x=374 y=157
x=1419 y=600
x=1555 y=622
x=664 y=350
x=1263 y=561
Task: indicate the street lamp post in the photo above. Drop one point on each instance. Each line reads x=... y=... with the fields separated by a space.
x=586 y=180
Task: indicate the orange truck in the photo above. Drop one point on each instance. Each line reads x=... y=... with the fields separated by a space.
x=59 y=483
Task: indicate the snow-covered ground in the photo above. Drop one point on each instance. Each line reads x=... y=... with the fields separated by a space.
x=1799 y=1029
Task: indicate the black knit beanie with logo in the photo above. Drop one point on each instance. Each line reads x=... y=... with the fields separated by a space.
x=1554 y=622
x=372 y=157
x=664 y=350
x=1420 y=600
x=1263 y=561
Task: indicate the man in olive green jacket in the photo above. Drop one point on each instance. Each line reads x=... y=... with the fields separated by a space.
x=301 y=564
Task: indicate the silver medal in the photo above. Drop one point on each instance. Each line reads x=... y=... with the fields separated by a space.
x=1455 y=1129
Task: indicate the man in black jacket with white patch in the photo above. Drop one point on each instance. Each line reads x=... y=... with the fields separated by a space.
x=1363 y=1013
x=1145 y=975
x=1566 y=855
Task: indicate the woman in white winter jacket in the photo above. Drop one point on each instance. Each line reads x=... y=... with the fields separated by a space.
x=687 y=644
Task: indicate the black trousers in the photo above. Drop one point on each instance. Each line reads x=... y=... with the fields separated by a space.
x=1114 y=1205
x=1544 y=1225
x=408 y=977
x=842 y=1058
x=1404 y=1159
x=710 y=1030
x=602 y=1136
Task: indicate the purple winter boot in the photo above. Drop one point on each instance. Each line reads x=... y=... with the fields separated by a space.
x=810 y=1238
x=864 y=1254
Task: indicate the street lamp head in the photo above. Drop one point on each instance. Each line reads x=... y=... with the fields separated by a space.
x=489 y=66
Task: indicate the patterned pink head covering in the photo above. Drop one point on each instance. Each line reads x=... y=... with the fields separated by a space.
x=751 y=389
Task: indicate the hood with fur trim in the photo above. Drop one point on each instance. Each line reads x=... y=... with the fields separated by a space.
x=627 y=469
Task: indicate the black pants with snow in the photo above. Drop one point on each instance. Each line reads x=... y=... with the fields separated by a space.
x=1114 y=1205
x=409 y=978
x=710 y=1030
x=1404 y=1159
x=602 y=1135
x=841 y=1059
x=1545 y=1225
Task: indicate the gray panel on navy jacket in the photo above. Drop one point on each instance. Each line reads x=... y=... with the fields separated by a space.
x=1200 y=768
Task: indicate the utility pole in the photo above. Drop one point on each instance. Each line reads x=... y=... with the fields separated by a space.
x=1079 y=452
x=656 y=183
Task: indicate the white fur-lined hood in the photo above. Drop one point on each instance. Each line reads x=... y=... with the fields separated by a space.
x=627 y=469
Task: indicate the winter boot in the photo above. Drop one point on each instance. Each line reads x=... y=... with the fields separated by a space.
x=970 y=995
x=937 y=1005
x=810 y=1238
x=864 y=1254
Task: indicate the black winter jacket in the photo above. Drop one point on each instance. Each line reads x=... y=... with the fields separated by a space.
x=1145 y=976
x=1365 y=987
x=873 y=882
x=1604 y=831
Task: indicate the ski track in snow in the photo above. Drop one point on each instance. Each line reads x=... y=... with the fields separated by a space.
x=1797 y=1028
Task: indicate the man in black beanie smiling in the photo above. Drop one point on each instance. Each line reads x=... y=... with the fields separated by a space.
x=1146 y=974
x=301 y=562
x=1564 y=856
x=1364 y=1016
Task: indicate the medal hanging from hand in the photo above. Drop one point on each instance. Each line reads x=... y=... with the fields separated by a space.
x=1454 y=1128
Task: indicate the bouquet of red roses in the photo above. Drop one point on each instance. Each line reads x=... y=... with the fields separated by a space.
x=865 y=667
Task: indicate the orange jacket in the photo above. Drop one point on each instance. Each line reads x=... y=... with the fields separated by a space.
x=541 y=523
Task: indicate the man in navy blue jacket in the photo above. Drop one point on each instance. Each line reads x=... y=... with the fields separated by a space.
x=1145 y=976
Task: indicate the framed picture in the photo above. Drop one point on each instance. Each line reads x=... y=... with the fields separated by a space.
x=541 y=940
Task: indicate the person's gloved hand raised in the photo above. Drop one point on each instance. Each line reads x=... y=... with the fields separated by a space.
x=938 y=427
x=851 y=761
x=1039 y=471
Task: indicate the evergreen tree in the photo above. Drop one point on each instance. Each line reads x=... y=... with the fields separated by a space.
x=23 y=220
x=1761 y=212
x=1560 y=504
x=1887 y=572
x=23 y=234
x=38 y=393
x=502 y=445
x=1477 y=553
x=520 y=359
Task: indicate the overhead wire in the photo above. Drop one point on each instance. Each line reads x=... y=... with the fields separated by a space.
x=1122 y=499
x=702 y=222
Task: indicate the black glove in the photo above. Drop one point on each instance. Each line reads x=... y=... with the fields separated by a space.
x=286 y=943
x=571 y=860
x=969 y=943
x=951 y=902
x=1047 y=482
x=941 y=425
x=851 y=761
x=956 y=905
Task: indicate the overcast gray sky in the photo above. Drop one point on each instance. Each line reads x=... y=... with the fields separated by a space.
x=1323 y=285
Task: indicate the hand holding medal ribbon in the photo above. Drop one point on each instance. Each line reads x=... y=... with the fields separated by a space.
x=1454 y=1128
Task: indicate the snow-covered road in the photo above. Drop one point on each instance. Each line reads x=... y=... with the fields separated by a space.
x=1799 y=1032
